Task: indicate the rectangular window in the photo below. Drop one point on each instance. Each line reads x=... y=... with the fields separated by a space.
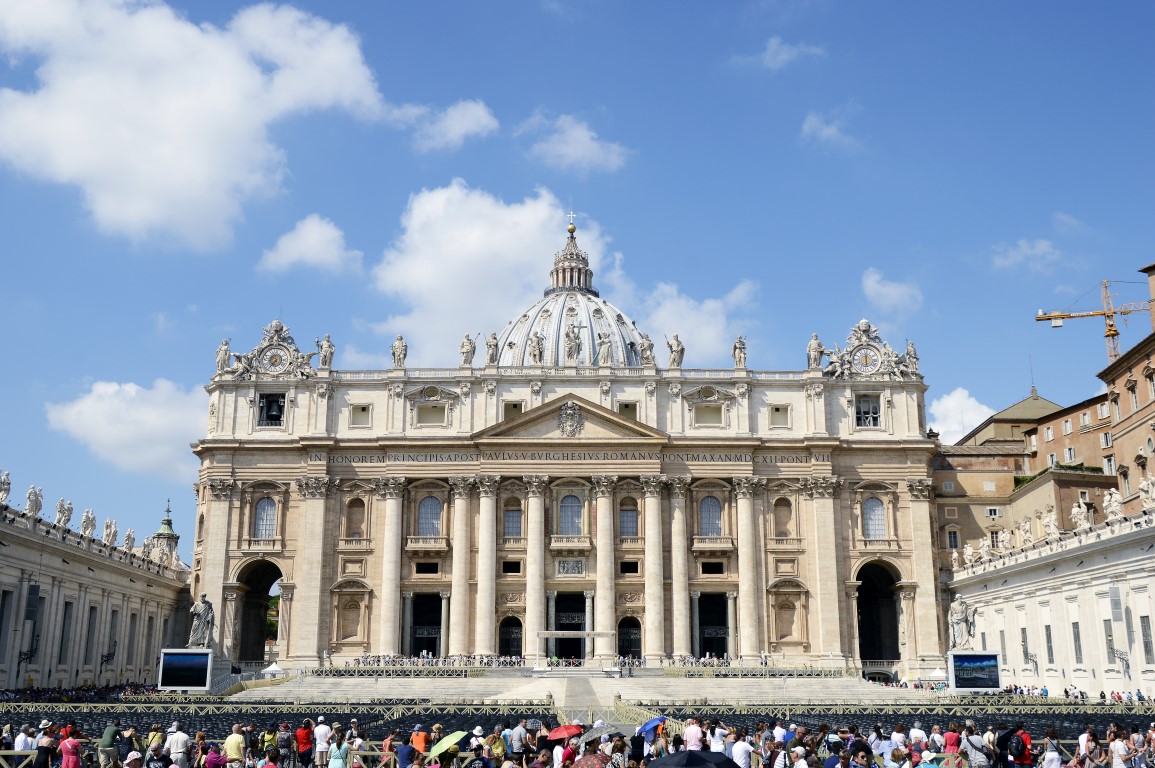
x=1069 y=455
x=360 y=416
x=1118 y=410
x=1109 y=465
x=628 y=411
x=512 y=523
x=1084 y=496
x=779 y=415
x=708 y=415
x=511 y=410
x=7 y=600
x=1077 y=642
x=1023 y=642
x=1052 y=459
x=1034 y=442
x=1085 y=419
x=952 y=539
x=65 y=634
x=1105 y=440
x=628 y=522
x=629 y=568
x=983 y=640
x=1003 y=644
x=1134 y=393
x=1049 y=434
x=1109 y=638
x=1148 y=647
x=1067 y=427
x=90 y=636
x=994 y=512
x=1104 y=411
x=271 y=409
x=1050 y=643
x=426 y=569
x=431 y=415
x=948 y=486
x=713 y=568
x=867 y=411
x=994 y=538
x=951 y=513
x=511 y=567
x=1126 y=484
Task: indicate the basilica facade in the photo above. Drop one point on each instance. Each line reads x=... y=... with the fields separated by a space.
x=565 y=490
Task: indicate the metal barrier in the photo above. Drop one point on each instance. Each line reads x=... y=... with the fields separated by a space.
x=10 y=758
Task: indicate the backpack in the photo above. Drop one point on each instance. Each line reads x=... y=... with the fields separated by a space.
x=1016 y=747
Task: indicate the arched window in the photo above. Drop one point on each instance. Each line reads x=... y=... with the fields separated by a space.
x=873 y=518
x=511 y=519
x=265 y=519
x=710 y=517
x=429 y=517
x=570 y=517
x=782 y=518
x=628 y=517
x=355 y=519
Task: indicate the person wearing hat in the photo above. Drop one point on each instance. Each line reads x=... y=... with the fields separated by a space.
x=448 y=758
x=176 y=746
x=134 y=760
x=799 y=755
x=476 y=738
x=321 y=735
x=420 y=740
x=106 y=748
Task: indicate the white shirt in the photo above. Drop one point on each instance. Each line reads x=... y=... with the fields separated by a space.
x=741 y=753
x=177 y=743
x=321 y=736
x=24 y=743
x=1083 y=743
x=917 y=734
x=718 y=739
x=779 y=734
x=1118 y=749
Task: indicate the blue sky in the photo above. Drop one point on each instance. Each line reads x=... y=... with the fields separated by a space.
x=171 y=175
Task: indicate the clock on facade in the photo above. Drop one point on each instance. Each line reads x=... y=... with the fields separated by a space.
x=275 y=359
x=866 y=359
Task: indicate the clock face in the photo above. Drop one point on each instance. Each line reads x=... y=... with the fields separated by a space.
x=866 y=359
x=275 y=359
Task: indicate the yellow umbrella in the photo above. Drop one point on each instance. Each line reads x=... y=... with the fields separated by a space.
x=446 y=742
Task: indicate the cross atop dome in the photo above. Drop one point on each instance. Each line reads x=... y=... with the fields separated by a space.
x=571 y=266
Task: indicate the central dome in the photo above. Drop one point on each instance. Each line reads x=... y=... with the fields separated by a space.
x=573 y=325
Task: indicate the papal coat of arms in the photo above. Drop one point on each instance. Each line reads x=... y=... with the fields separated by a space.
x=570 y=420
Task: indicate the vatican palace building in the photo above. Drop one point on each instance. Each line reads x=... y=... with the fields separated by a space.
x=565 y=490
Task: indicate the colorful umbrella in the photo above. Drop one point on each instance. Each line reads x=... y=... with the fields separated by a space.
x=650 y=725
x=565 y=731
x=597 y=733
x=594 y=759
x=446 y=742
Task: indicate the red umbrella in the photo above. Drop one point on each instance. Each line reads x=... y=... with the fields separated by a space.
x=565 y=731
x=594 y=759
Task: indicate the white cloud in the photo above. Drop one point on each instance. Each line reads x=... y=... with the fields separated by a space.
x=467 y=261
x=888 y=296
x=138 y=429
x=313 y=242
x=450 y=128
x=161 y=322
x=956 y=413
x=1066 y=224
x=1035 y=255
x=571 y=145
x=779 y=54
x=163 y=123
x=352 y=358
x=828 y=129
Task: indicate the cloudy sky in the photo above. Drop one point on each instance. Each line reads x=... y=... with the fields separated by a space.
x=175 y=174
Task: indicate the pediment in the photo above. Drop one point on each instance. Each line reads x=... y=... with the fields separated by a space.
x=570 y=418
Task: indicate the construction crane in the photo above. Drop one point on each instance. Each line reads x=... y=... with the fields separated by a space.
x=1108 y=313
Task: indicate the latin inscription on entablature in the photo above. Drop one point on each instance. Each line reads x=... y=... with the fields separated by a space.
x=453 y=457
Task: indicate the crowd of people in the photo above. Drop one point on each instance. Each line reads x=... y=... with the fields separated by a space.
x=83 y=694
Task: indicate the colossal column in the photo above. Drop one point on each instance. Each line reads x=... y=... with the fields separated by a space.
x=926 y=637
x=391 y=541
x=732 y=624
x=653 y=647
x=534 y=566
x=604 y=603
x=695 y=626
x=459 y=604
x=407 y=624
x=825 y=619
x=312 y=627
x=589 y=646
x=485 y=621
x=679 y=568
x=748 y=592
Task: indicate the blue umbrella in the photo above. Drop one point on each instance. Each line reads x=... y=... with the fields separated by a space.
x=650 y=725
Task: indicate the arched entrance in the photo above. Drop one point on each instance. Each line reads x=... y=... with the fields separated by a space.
x=877 y=614
x=630 y=638
x=509 y=637
x=257 y=626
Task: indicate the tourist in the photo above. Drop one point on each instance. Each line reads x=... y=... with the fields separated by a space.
x=495 y=747
x=214 y=757
x=478 y=759
x=404 y=752
x=544 y=759
x=1093 y=751
x=977 y=752
x=46 y=745
x=692 y=736
x=321 y=735
x=271 y=759
x=176 y=746
x=1121 y=751
x=157 y=758
x=134 y=760
x=106 y=747
x=303 y=737
x=519 y=742
x=419 y=739
x=951 y=739
x=70 y=748
x=618 y=756
x=1051 y=758
x=741 y=750
x=235 y=747
x=338 y=751
x=1019 y=746
x=799 y=755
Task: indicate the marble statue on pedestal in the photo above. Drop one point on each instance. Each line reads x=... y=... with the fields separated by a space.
x=646 y=348
x=63 y=513
x=468 y=349
x=223 y=355
x=739 y=352
x=491 y=349
x=536 y=348
x=129 y=539
x=88 y=523
x=1004 y=539
x=968 y=554
x=573 y=343
x=962 y=623
x=954 y=559
x=109 y=537
x=677 y=351
x=326 y=349
x=399 y=349
x=5 y=487
x=203 y=617
x=35 y=498
x=1079 y=517
x=985 y=551
x=814 y=353
x=1113 y=504
x=605 y=350
x=1028 y=537
x=1051 y=523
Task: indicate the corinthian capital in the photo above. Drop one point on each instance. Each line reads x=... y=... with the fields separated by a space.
x=487 y=484
x=919 y=487
x=679 y=486
x=315 y=486
x=652 y=484
x=221 y=490
x=604 y=484
x=389 y=487
x=821 y=486
x=746 y=487
x=461 y=485
x=535 y=484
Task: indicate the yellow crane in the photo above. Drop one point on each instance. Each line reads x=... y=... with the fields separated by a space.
x=1108 y=313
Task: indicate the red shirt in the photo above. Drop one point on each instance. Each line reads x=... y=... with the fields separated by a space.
x=1027 y=758
x=304 y=739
